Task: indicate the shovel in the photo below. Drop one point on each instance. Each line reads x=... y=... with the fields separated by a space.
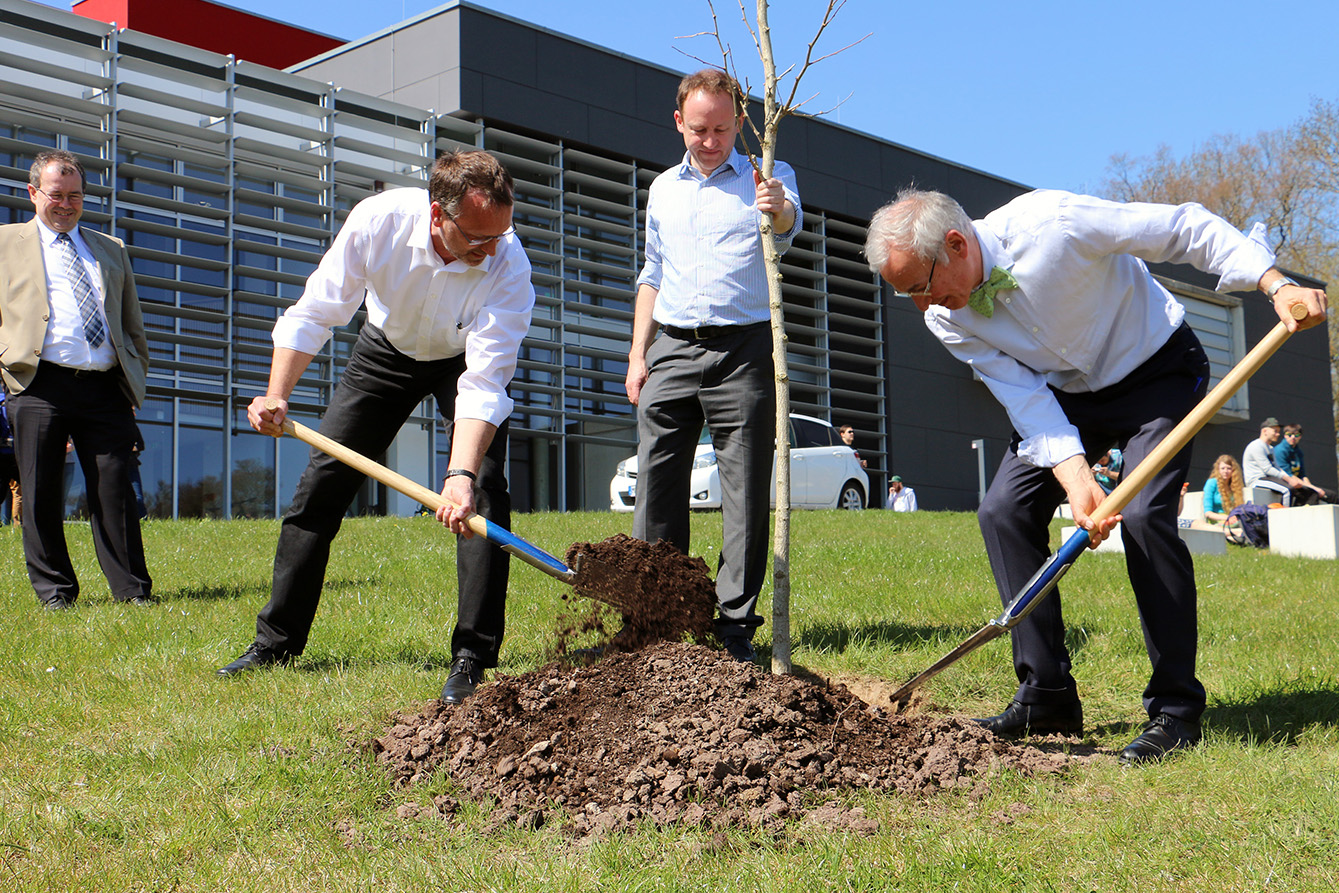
x=590 y=577
x=1059 y=563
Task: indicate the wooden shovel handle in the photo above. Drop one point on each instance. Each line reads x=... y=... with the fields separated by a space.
x=1179 y=436
x=374 y=470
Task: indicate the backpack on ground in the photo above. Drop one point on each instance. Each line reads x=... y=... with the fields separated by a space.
x=1248 y=525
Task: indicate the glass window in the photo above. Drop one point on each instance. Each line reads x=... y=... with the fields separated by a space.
x=252 y=471
x=155 y=467
x=200 y=460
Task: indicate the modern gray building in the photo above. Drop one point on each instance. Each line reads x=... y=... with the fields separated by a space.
x=228 y=179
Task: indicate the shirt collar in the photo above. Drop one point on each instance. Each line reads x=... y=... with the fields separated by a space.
x=993 y=252
x=421 y=238
x=49 y=235
x=732 y=162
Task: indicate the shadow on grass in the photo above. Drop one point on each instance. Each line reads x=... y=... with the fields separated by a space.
x=258 y=590
x=837 y=637
x=1279 y=716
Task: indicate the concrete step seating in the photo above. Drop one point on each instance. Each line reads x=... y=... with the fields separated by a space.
x=1309 y=531
x=1200 y=539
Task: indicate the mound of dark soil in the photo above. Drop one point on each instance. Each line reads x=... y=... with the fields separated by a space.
x=662 y=594
x=682 y=734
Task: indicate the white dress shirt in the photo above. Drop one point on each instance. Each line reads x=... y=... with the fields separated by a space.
x=703 y=246
x=1086 y=312
x=65 y=344
x=429 y=309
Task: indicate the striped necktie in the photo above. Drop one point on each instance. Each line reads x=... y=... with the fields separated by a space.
x=94 y=330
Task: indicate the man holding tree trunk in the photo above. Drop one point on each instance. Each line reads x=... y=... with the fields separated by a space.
x=705 y=285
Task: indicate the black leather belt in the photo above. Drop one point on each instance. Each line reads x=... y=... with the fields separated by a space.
x=706 y=333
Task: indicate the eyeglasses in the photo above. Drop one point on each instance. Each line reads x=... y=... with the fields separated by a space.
x=1294 y=434
x=60 y=198
x=474 y=242
x=929 y=281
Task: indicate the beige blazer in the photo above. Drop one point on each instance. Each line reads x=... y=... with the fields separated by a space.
x=24 y=309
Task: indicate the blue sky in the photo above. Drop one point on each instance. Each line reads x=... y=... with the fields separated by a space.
x=1044 y=94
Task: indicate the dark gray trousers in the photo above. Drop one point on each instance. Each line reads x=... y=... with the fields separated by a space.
x=727 y=383
x=1135 y=414
x=380 y=387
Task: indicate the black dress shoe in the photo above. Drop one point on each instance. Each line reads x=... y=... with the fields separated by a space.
x=740 y=648
x=1036 y=719
x=141 y=601
x=1162 y=734
x=255 y=657
x=466 y=674
x=58 y=604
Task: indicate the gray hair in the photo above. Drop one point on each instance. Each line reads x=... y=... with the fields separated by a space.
x=916 y=220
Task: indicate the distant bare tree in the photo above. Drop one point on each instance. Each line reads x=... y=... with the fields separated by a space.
x=1287 y=179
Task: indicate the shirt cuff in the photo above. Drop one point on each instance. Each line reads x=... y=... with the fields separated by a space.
x=299 y=335
x=1050 y=448
x=485 y=406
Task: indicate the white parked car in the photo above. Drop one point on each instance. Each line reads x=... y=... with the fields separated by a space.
x=824 y=472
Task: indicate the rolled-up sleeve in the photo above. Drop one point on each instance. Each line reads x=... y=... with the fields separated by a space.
x=786 y=174
x=652 y=270
x=494 y=343
x=1186 y=233
x=334 y=292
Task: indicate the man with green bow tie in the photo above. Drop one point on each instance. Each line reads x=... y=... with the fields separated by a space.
x=1050 y=301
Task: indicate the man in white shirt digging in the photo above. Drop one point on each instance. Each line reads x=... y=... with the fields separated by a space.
x=1049 y=299
x=447 y=288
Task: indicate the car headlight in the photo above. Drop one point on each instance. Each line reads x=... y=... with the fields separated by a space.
x=706 y=460
x=622 y=468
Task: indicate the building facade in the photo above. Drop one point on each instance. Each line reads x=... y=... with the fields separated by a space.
x=227 y=179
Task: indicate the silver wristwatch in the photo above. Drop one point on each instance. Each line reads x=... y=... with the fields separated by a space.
x=1273 y=287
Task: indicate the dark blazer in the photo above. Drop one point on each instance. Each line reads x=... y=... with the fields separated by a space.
x=24 y=309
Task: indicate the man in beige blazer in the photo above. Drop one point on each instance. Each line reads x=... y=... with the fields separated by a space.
x=74 y=359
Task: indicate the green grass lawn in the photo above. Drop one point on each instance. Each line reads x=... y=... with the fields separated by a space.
x=126 y=765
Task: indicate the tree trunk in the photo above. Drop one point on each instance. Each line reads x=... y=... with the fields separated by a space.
x=772 y=115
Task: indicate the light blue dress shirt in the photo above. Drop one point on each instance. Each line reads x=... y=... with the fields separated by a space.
x=703 y=247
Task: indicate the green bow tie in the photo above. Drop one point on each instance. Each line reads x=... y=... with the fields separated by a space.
x=982 y=299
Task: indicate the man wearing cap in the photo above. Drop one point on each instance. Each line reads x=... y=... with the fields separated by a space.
x=900 y=498
x=1288 y=456
x=1259 y=469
